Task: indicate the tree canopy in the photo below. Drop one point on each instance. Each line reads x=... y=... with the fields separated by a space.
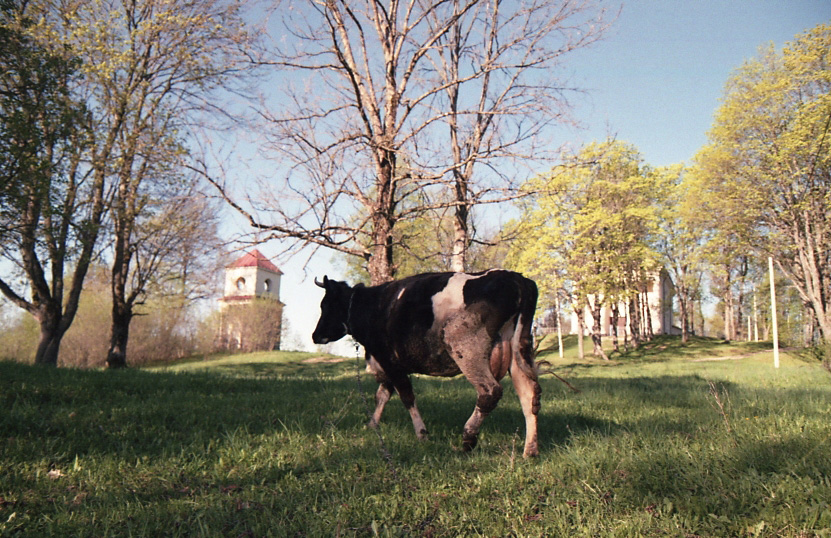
x=590 y=230
x=764 y=177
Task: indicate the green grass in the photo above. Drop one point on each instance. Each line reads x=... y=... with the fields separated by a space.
x=274 y=445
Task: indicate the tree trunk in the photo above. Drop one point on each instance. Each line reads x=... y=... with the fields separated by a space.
x=739 y=326
x=728 y=317
x=122 y=315
x=51 y=335
x=634 y=321
x=381 y=267
x=684 y=303
x=458 y=258
x=615 y=317
x=685 y=321
x=380 y=264
x=581 y=330
x=597 y=329
x=810 y=324
x=650 y=333
x=124 y=217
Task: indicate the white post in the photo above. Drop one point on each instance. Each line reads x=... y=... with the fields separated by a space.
x=773 y=315
x=559 y=329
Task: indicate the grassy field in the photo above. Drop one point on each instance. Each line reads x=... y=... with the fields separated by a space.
x=664 y=441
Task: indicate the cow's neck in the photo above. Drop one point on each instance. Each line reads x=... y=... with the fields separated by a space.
x=362 y=314
x=348 y=323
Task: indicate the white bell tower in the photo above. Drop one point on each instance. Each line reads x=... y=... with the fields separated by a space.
x=252 y=275
x=251 y=307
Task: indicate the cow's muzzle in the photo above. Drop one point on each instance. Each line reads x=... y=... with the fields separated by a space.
x=319 y=339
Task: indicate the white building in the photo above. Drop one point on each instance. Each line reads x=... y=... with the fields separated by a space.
x=659 y=293
x=251 y=308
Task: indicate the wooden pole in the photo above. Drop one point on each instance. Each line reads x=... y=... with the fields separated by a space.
x=773 y=315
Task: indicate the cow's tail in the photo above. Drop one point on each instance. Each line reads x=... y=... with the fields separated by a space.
x=523 y=344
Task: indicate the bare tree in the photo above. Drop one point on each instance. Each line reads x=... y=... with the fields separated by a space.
x=381 y=107
x=498 y=66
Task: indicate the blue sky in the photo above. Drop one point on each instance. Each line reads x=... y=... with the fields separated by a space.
x=654 y=81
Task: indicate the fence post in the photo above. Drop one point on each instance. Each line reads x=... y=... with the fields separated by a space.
x=773 y=315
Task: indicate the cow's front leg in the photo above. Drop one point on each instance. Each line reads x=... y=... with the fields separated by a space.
x=384 y=392
x=405 y=390
x=400 y=384
x=382 y=396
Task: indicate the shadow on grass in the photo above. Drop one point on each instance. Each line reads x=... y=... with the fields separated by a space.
x=60 y=413
x=51 y=413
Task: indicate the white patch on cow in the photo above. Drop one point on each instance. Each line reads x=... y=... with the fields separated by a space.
x=400 y=294
x=451 y=299
x=520 y=324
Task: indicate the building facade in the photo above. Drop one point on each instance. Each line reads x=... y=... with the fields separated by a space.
x=658 y=299
x=251 y=310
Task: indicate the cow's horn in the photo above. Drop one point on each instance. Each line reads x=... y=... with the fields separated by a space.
x=319 y=283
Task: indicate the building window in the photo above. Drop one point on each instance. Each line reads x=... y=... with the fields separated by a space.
x=240 y=283
x=267 y=284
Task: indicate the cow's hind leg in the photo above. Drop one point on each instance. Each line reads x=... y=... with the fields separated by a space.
x=524 y=377
x=528 y=390
x=471 y=351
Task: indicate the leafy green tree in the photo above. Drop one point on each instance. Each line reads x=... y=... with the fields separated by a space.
x=50 y=205
x=766 y=172
x=589 y=231
x=152 y=71
x=679 y=243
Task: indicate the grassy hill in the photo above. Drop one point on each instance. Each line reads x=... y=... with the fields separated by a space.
x=656 y=442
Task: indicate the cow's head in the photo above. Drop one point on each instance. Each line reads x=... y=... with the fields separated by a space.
x=334 y=311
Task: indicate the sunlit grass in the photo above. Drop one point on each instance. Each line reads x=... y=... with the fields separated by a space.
x=275 y=444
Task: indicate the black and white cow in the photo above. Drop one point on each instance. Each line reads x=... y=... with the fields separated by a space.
x=442 y=324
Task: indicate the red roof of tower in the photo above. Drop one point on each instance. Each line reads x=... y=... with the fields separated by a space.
x=256 y=259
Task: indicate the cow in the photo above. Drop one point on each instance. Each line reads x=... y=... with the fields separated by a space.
x=442 y=324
